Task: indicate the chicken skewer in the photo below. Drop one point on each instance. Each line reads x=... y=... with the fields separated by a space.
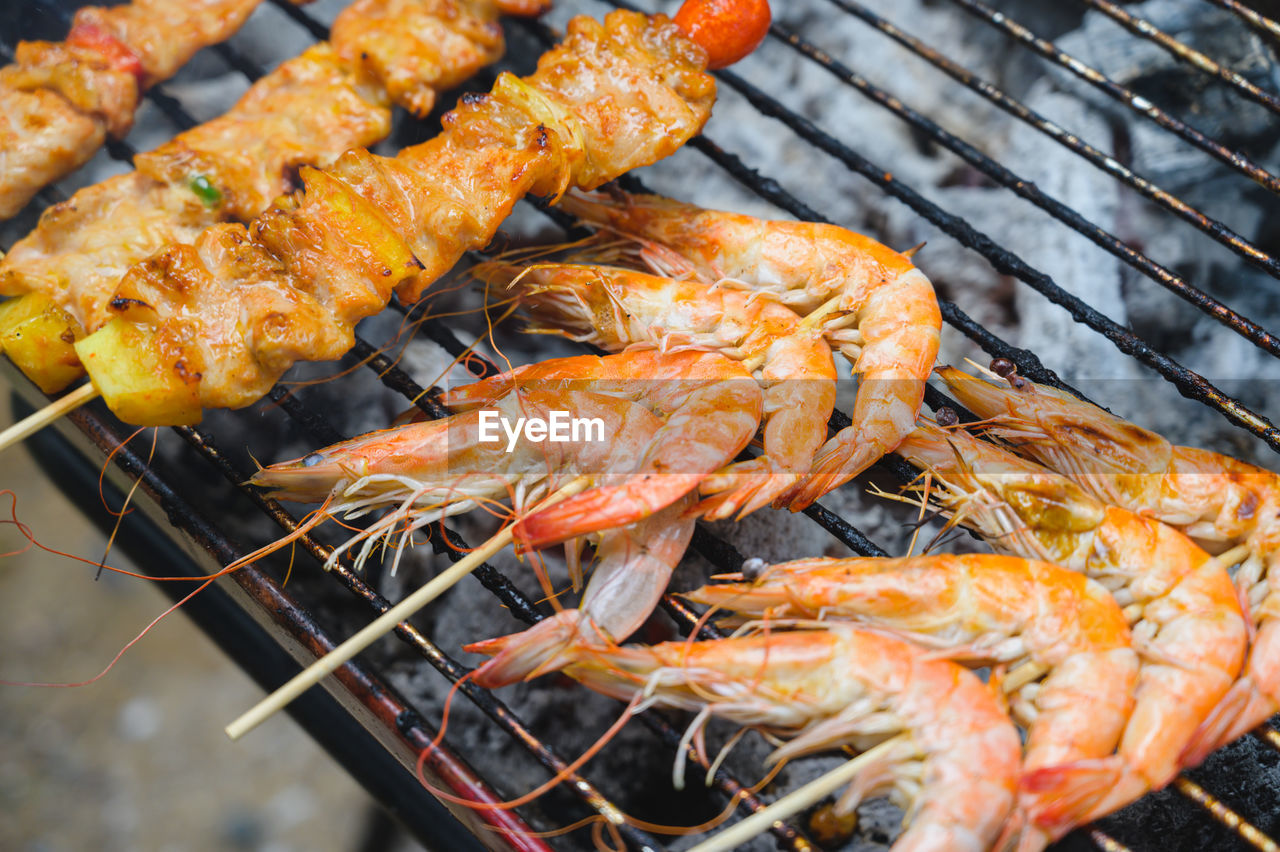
x=215 y=323
x=60 y=100
x=307 y=111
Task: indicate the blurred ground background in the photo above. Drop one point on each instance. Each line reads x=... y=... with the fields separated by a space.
x=110 y=766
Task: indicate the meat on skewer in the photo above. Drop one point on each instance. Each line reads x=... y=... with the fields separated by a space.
x=307 y=111
x=215 y=323
x=60 y=100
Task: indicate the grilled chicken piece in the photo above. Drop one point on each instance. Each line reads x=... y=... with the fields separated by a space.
x=59 y=100
x=308 y=110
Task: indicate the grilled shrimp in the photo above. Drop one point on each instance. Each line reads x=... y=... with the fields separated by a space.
x=982 y=610
x=1188 y=631
x=954 y=772
x=427 y=471
x=883 y=314
x=439 y=468
x=616 y=308
x=711 y=405
x=1216 y=500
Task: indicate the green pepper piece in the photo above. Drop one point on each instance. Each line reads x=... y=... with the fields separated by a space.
x=205 y=190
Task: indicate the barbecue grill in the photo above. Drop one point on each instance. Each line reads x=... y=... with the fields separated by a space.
x=377 y=729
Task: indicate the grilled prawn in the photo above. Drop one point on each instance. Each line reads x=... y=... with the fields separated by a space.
x=872 y=303
x=711 y=406
x=980 y=610
x=954 y=771
x=1188 y=627
x=426 y=471
x=616 y=308
x=1216 y=500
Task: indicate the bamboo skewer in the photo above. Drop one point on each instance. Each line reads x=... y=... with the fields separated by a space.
x=33 y=423
x=792 y=803
x=385 y=623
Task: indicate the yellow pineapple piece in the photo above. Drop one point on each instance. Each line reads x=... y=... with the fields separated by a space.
x=355 y=223
x=39 y=337
x=139 y=383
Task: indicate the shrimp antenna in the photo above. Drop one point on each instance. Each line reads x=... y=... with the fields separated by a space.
x=128 y=498
x=793 y=803
x=330 y=662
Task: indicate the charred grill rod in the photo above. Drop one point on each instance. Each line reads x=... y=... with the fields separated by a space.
x=1120 y=93
x=1210 y=306
x=1214 y=228
x=1145 y=29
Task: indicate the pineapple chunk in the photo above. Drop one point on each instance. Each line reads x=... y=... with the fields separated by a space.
x=39 y=337
x=357 y=224
x=139 y=384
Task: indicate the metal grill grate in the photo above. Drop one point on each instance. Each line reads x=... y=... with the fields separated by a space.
x=397 y=716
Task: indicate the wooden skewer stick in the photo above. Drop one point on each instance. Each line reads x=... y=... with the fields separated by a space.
x=33 y=423
x=1021 y=676
x=792 y=803
x=384 y=623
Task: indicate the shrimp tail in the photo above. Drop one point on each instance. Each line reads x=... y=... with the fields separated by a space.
x=603 y=508
x=744 y=487
x=1218 y=728
x=545 y=647
x=1058 y=798
x=832 y=468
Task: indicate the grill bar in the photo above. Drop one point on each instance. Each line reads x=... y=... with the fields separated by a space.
x=1131 y=99
x=1243 y=326
x=1214 y=228
x=1145 y=29
x=1106 y=842
x=1189 y=384
x=1256 y=20
x=237 y=60
x=303 y=18
x=1223 y=814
